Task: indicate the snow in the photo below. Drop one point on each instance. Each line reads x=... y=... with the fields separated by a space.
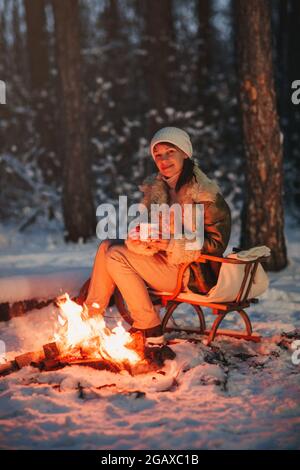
x=41 y=267
x=235 y=395
x=42 y=286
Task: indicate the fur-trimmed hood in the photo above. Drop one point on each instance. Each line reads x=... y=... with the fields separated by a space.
x=217 y=226
x=199 y=190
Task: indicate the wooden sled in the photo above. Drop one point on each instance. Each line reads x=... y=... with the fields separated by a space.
x=220 y=309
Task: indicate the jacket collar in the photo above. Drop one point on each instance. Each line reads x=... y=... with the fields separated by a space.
x=200 y=189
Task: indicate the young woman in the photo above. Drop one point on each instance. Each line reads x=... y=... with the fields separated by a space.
x=140 y=263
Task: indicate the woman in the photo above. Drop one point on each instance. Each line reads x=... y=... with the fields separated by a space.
x=155 y=263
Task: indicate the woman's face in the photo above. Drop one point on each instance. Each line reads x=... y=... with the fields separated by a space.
x=168 y=158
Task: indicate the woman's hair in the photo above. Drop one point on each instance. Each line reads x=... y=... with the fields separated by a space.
x=187 y=173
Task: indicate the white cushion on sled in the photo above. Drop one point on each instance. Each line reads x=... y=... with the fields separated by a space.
x=229 y=283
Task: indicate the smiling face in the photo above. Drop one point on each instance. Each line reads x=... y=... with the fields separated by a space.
x=168 y=158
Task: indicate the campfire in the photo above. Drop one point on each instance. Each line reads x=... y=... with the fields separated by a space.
x=91 y=337
x=89 y=342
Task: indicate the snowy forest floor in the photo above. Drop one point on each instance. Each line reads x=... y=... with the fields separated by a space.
x=235 y=395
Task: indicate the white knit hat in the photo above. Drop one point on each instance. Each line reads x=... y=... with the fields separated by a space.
x=173 y=135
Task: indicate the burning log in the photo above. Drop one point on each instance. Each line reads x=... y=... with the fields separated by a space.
x=137 y=343
x=8 y=368
x=27 y=358
x=51 y=350
x=44 y=362
x=98 y=364
x=101 y=364
x=87 y=343
x=50 y=364
x=92 y=346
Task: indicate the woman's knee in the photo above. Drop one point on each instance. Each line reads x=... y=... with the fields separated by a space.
x=104 y=246
x=114 y=252
x=114 y=255
x=102 y=251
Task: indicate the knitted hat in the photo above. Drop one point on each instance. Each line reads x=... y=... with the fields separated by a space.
x=175 y=136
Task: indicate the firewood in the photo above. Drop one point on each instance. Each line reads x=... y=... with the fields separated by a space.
x=99 y=364
x=51 y=350
x=137 y=344
x=27 y=358
x=50 y=358
x=50 y=364
x=8 y=367
x=86 y=351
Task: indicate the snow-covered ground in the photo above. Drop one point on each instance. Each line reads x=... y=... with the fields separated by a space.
x=235 y=395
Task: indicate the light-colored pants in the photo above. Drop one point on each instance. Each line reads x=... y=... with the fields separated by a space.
x=131 y=272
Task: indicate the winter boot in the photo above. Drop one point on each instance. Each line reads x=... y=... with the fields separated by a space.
x=155 y=347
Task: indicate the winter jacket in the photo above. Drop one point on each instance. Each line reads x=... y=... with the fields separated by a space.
x=217 y=226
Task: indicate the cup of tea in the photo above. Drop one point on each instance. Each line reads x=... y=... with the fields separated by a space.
x=149 y=231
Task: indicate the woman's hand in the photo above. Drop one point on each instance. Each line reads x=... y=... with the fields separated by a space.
x=134 y=237
x=160 y=243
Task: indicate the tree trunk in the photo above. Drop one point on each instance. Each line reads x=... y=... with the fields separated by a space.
x=115 y=70
x=293 y=111
x=206 y=49
x=3 y=41
x=37 y=43
x=39 y=70
x=263 y=221
x=159 y=62
x=17 y=46
x=159 y=33
x=281 y=56
x=204 y=11
x=78 y=208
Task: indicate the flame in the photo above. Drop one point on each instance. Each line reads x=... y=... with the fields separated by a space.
x=114 y=345
x=92 y=334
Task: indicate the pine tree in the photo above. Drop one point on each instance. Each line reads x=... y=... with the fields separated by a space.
x=263 y=221
x=78 y=207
